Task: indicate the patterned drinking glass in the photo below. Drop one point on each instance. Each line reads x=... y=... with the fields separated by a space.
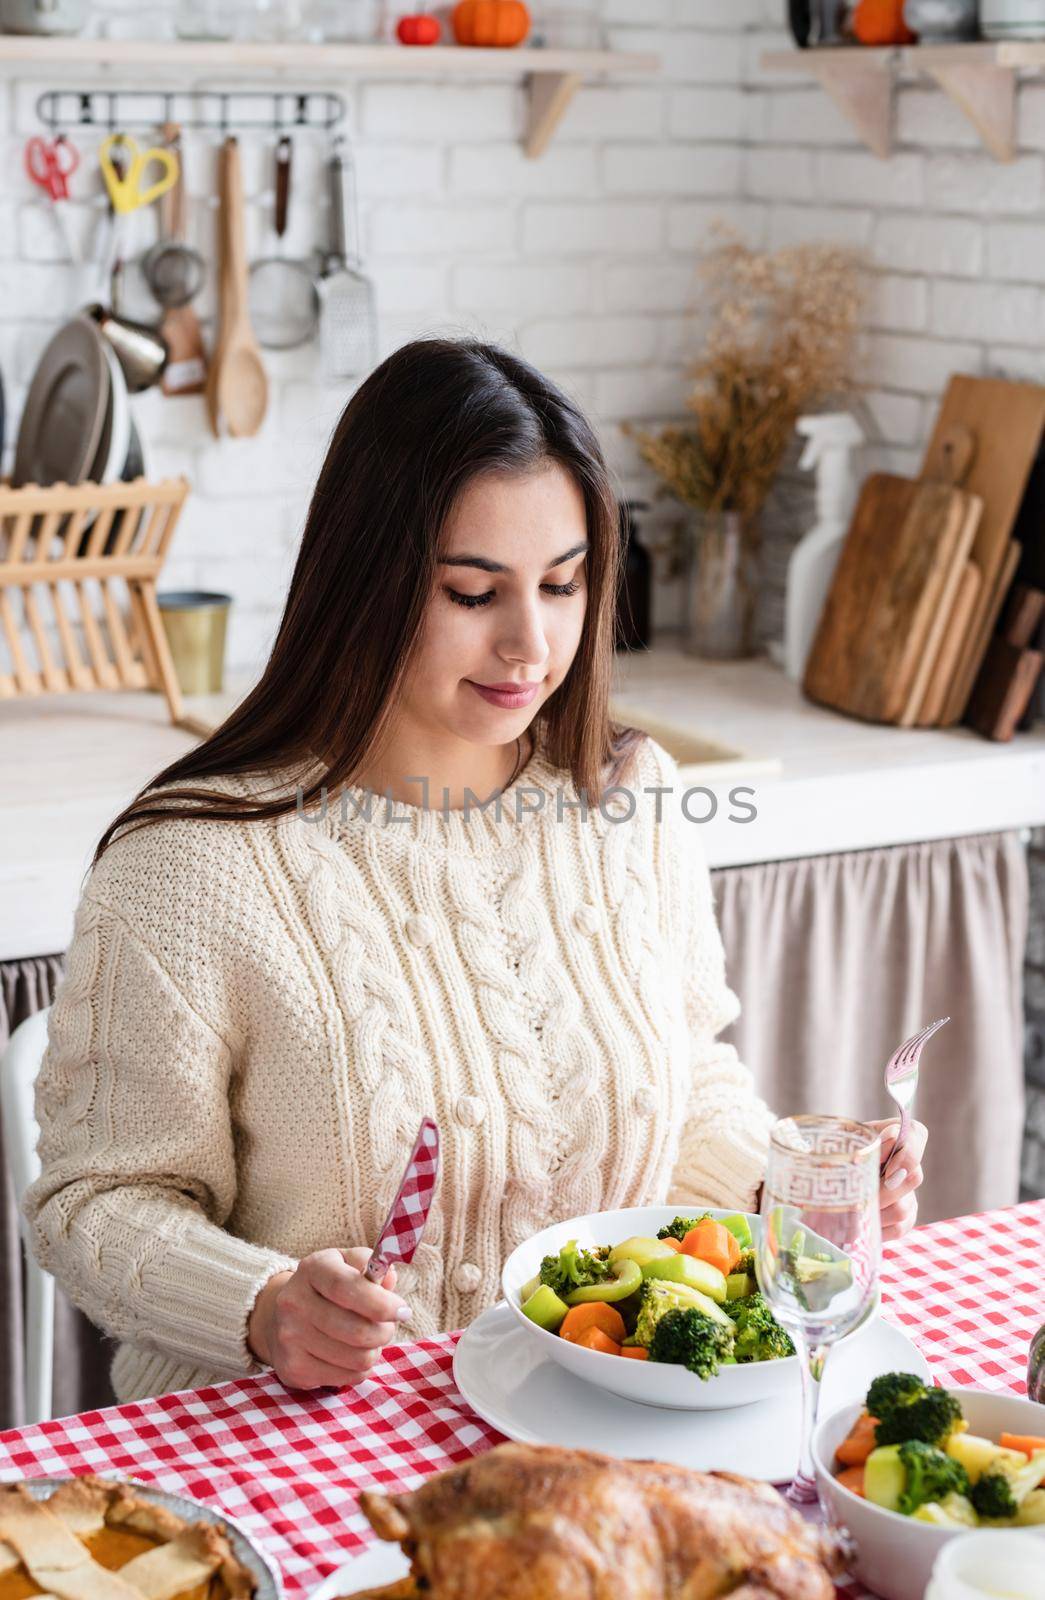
x=819 y=1248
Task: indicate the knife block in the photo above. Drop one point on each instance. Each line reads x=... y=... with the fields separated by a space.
x=53 y=564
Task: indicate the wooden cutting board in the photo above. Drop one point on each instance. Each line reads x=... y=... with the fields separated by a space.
x=1011 y=668
x=904 y=541
x=941 y=622
x=931 y=708
x=1006 y=421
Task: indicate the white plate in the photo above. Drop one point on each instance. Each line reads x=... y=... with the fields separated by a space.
x=381 y=1563
x=507 y=1379
x=116 y=431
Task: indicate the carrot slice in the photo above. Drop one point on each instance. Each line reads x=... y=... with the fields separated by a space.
x=853 y=1479
x=595 y=1339
x=858 y=1442
x=1027 y=1442
x=713 y=1243
x=673 y=1244
x=636 y=1352
x=596 y=1314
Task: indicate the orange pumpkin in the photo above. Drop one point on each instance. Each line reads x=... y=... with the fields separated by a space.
x=497 y=23
x=881 y=22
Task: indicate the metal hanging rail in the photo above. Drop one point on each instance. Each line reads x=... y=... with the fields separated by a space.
x=62 y=109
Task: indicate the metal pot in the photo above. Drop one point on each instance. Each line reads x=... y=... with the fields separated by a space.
x=143 y=352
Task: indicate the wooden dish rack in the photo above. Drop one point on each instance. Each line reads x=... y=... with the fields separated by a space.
x=65 y=626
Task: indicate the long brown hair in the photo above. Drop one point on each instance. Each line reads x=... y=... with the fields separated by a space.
x=434 y=415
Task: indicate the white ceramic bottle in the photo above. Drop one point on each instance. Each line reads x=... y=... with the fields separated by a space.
x=831 y=438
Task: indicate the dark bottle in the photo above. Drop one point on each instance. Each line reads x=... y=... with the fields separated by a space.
x=633 y=599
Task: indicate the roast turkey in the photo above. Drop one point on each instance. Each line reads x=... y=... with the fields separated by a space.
x=530 y=1522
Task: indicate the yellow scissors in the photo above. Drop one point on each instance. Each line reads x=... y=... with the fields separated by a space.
x=127 y=191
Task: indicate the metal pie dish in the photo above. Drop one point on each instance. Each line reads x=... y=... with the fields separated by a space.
x=65 y=409
x=264 y=1571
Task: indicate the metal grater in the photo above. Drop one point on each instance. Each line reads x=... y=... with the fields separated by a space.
x=348 y=318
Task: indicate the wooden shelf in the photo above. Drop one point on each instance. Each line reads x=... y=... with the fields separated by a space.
x=980 y=78
x=552 y=77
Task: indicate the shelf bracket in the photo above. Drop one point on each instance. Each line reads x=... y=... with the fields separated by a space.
x=549 y=94
x=863 y=92
x=986 y=94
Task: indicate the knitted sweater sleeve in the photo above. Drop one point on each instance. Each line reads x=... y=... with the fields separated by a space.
x=138 y=1168
x=725 y=1139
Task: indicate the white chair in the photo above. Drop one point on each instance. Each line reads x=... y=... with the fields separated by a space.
x=19 y=1066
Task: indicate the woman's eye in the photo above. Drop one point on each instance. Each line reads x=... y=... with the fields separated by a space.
x=484 y=599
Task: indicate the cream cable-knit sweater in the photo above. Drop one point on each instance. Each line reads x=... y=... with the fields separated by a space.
x=255 y=1016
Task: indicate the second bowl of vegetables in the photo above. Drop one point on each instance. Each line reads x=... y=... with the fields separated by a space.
x=656 y=1306
x=914 y=1466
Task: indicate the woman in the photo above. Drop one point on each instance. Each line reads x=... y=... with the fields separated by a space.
x=268 y=989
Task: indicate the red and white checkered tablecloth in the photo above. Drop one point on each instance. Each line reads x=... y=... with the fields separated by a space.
x=289 y=1466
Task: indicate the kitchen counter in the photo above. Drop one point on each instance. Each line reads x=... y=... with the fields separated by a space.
x=839 y=784
x=821 y=782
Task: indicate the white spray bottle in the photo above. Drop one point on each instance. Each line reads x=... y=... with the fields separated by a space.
x=831 y=439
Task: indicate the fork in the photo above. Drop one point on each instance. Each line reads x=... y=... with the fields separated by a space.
x=901 y=1082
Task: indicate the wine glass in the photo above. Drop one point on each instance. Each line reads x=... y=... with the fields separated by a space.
x=819 y=1248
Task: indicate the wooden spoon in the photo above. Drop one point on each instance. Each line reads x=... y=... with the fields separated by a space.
x=237 y=387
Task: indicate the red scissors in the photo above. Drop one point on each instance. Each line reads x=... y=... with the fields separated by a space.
x=51 y=163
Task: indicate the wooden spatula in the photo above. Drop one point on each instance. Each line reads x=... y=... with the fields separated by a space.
x=237 y=386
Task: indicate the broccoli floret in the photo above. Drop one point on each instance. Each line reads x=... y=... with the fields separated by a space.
x=1001 y=1491
x=906 y=1409
x=690 y=1339
x=746 y=1263
x=891 y=1390
x=759 y=1336
x=574 y=1268
x=679 y=1228
x=657 y=1297
x=931 y=1475
x=992 y=1496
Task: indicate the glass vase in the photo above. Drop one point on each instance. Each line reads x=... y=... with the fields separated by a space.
x=722 y=586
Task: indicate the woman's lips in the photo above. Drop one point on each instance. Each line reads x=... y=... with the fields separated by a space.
x=507 y=700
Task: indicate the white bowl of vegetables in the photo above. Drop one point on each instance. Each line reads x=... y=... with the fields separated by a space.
x=655 y=1306
x=925 y=1466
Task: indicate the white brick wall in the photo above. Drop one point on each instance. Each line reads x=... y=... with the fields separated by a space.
x=582 y=261
x=954 y=237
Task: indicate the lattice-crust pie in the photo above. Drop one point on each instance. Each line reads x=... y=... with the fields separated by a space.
x=98 y=1540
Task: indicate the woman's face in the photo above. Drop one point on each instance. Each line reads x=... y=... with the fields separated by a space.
x=508 y=606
